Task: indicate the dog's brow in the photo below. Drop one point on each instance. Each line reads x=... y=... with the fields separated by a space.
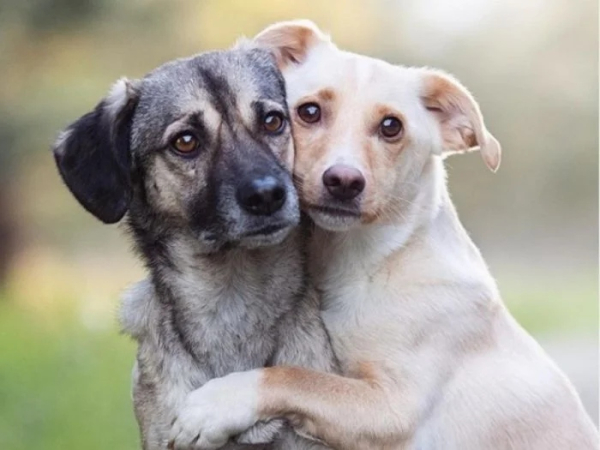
x=326 y=94
x=382 y=110
x=184 y=122
x=196 y=119
x=264 y=105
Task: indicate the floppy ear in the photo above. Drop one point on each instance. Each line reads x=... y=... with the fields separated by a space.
x=93 y=155
x=460 y=119
x=291 y=41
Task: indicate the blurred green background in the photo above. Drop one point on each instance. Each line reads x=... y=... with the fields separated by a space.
x=533 y=65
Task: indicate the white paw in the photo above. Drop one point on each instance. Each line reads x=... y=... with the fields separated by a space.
x=222 y=408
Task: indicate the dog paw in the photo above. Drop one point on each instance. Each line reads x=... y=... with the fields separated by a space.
x=212 y=414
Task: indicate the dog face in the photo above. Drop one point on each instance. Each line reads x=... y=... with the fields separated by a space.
x=201 y=144
x=365 y=129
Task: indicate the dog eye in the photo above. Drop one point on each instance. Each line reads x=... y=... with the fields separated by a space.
x=185 y=143
x=309 y=112
x=273 y=122
x=390 y=127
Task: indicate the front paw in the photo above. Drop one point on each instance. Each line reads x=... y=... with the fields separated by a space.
x=212 y=414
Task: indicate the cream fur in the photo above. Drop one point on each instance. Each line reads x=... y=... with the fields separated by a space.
x=431 y=357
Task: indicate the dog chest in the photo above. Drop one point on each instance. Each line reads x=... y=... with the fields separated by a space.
x=230 y=321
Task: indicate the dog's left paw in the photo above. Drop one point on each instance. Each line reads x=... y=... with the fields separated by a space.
x=212 y=414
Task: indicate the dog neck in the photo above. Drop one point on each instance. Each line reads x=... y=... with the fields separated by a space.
x=232 y=275
x=182 y=272
x=198 y=302
x=428 y=238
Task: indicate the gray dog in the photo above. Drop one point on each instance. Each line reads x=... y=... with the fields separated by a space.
x=197 y=153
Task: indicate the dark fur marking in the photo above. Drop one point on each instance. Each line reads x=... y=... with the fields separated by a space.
x=221 y=94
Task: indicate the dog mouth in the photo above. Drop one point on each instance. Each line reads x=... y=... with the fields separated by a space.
x=266 y=236
x=335 y=211
x=266 y=230
x=334 y=217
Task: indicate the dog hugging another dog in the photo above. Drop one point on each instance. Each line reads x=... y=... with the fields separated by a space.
x=370 y=323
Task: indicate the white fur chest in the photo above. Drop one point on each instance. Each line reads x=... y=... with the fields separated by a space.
x=383 y=300
x=360 y=310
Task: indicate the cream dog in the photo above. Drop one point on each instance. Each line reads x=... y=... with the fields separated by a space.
x=431 y=357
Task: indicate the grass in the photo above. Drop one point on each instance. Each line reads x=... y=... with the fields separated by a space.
x=63 y=387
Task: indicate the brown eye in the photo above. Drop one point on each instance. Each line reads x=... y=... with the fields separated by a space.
x=309 y=112
x=273 y=122
x=390 y=127
x=185 y=143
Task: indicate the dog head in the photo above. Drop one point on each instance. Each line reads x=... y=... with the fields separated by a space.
x=201 y=144
x=365 y=130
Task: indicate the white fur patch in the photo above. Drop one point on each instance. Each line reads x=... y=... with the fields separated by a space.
x=136 y=308
x=221 y=408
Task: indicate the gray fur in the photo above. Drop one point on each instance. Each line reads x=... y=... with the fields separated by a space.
x=222 y=294
x=234 y=320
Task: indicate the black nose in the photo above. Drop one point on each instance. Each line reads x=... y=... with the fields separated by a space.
x=262 y=196
x=343 y=182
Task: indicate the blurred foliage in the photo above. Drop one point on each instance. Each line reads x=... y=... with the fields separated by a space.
x=533 y=66
x=42 y=16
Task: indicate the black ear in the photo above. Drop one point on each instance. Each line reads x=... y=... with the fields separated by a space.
x=94 y=158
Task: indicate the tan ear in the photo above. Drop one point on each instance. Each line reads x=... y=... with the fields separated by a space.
x=291 y=41
x=460 y=119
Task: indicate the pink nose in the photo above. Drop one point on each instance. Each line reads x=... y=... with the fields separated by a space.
x=344 y=182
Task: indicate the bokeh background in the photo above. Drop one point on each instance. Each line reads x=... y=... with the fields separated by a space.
x=533 y=65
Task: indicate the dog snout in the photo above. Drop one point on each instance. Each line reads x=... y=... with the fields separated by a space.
x=344 y=182
x=262 y=195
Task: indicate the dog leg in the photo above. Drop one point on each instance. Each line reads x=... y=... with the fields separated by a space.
x=347 y=413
